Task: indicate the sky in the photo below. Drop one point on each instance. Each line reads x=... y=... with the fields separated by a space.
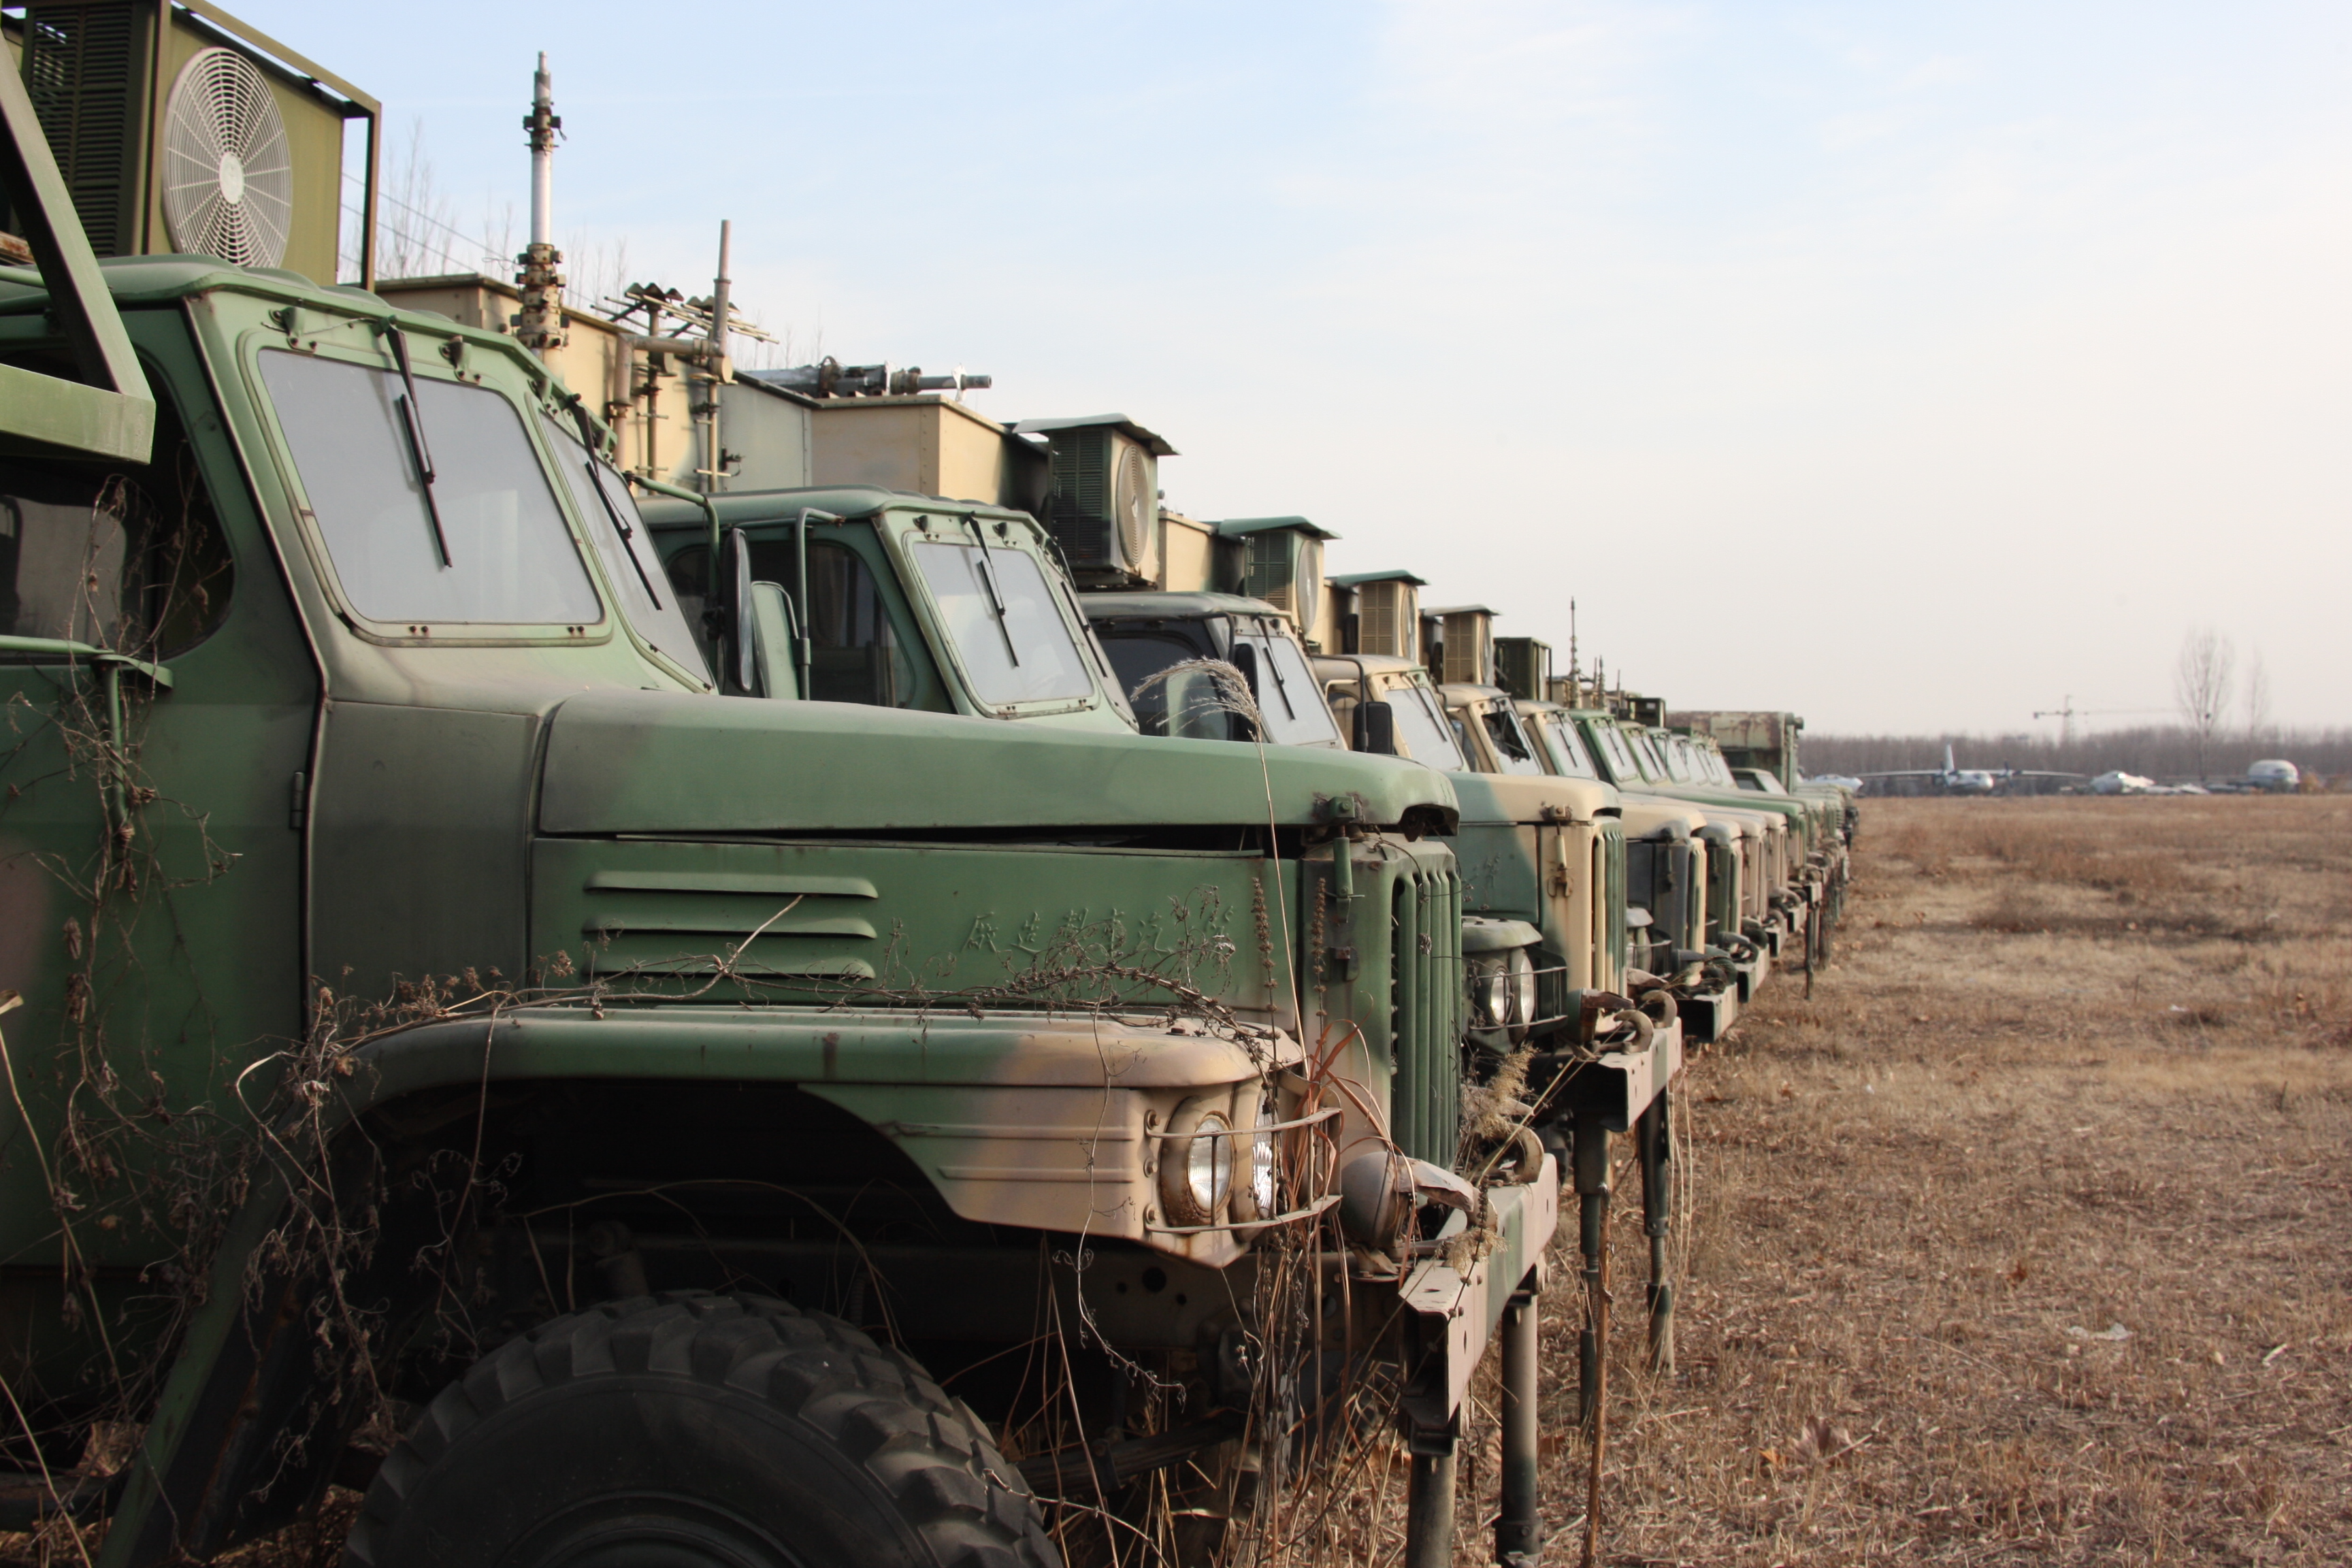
x=1912 y=367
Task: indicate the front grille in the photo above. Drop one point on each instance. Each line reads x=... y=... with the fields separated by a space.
x=1425 y=1006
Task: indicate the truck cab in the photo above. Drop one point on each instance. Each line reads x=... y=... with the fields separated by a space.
x=900 y=601
x=1666 y=876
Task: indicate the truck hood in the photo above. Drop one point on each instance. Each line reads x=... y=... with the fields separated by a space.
x=651 y=762
x=1509 y=797
x=1645 y=817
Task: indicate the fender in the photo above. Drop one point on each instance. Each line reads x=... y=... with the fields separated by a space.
x=1070 y=1076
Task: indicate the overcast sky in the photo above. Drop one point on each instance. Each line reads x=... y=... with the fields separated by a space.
x=1910 y=365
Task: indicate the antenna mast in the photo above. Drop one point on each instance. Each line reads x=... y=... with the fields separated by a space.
x=712 y=372
x=1575 y=671
x=538 y=325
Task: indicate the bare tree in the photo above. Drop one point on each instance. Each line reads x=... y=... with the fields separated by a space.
x=2258 y=702
x=2200 y=685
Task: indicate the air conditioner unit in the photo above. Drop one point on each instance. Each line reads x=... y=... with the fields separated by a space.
x=1387 y=619
x=177 y=133
x=1466 y=635
x=1102 y=503
x=1523 y=667
x=1283 y=566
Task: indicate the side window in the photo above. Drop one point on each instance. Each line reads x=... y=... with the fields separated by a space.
x=1510 y=741
x=120 y=556
x=855 y=654
x=609 y=513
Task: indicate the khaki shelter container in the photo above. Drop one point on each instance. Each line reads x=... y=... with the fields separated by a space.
x=923 y=443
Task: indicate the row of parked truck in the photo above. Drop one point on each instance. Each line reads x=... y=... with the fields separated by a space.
x=831 y=1023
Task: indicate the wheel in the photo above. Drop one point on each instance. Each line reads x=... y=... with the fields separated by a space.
x=696 y=1432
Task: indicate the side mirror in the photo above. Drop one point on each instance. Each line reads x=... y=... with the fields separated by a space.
x=771 y=622
x=728 y=613
x=1376 y=728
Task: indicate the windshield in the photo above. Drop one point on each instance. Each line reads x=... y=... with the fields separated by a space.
x=1623 y=768
x=511 y=561
x=1652 y=769
x=609 y=512
x=1003 y=621
x=1512 y=749
x=1678 y=759
x=1295 y=713
x=1559 y=736
x=1421 y=732
x=1191 y=696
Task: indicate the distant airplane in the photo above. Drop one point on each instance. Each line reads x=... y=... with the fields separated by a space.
x=2273 y=777
x=2122 y=782
x=1958 y=780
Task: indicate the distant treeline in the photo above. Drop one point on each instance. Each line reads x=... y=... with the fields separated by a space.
x=2167 y=753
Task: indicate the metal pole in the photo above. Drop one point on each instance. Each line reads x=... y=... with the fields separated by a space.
x=713 y=371
x=368 y=201
x=1518 y=1527
x=538 y=325
x=1591 y=1156
x=1429 y=1501
x=1654 y=1135
x=542 y=126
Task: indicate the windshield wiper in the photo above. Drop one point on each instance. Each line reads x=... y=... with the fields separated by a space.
x=1281 y=687
x=620 y=526
x=413 y=421
x=988 y=581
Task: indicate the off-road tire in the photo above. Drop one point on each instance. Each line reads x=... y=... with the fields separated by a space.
x=729 y=1430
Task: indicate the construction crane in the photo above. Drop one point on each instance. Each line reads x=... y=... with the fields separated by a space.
x=2066 y=713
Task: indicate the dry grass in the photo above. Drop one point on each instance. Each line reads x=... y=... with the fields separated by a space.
x=2081 y=1063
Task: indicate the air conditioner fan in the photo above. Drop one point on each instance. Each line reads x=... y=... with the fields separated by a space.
x=228 y=176
x=1134 y=504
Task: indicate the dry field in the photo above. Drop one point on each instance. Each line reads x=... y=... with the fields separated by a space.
x=2037 y=1219
x=2028 y=1239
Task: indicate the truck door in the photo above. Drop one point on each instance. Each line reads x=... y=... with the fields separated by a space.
x=158 y=698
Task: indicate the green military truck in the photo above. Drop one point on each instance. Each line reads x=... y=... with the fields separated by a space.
x=1813 y=860
x=988 y=626
x=674 y=1121
x=1543 y=863
x=1758 y=751
x=1670 y=861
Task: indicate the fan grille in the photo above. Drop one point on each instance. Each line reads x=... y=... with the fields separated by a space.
x=228 y=175
x=1134 y=505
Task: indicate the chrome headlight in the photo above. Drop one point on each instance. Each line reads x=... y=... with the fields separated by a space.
x=1523 y=992
x=1254 y=1193
x=1502 y=997
x=1490 y=994
x=1196 y=1163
